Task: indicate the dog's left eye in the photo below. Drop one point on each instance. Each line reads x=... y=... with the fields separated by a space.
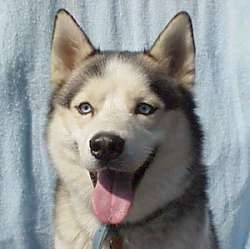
x=145 y=109
x=84 y=108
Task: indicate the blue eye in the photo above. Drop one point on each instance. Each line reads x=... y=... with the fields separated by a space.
x=145 y=109
x=84 y=108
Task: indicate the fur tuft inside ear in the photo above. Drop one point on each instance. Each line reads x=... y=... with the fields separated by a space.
x=175 y=50
x=70 y=46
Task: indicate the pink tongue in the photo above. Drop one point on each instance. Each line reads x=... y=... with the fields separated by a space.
x=112 y=196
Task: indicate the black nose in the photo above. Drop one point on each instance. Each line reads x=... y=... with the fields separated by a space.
x=106 y=146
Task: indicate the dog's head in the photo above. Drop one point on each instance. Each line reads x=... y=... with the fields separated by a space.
x=125 y=115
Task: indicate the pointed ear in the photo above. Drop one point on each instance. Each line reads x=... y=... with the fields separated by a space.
x=70 y=46
x=175 y=50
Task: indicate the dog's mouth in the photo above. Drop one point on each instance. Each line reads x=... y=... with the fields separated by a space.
x=114 y=191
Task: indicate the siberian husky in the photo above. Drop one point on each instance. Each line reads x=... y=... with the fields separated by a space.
x=127 y=120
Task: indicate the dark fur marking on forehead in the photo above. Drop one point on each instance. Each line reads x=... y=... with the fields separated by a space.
x=165 y=90
x=164 y=86
x=64 y=95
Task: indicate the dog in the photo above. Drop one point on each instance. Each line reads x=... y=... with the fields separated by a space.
x=126 y=142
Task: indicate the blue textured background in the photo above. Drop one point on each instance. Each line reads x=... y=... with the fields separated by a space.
x=222 y=35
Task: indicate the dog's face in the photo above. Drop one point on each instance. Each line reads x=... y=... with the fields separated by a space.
x=121 y=115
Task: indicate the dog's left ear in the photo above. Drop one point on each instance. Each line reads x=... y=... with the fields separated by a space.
x=70 y=46
x=174 y=49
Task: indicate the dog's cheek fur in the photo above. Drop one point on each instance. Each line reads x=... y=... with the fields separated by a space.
x=75 y=180
x=165 y=179
x=140 y=143
x=74 y=134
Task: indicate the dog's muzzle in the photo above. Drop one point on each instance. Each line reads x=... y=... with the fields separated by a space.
x=139 y=173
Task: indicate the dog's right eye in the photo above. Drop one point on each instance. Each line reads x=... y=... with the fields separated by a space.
x=84 y=108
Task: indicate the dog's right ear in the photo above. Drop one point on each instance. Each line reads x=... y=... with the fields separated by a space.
x=70 y=46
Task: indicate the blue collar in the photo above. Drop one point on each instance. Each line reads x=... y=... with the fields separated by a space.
x=104 y=231
x=100 y=235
